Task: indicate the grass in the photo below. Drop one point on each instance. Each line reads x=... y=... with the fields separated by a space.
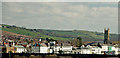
x=33 y=34
x=80 y=33
x=62 y=33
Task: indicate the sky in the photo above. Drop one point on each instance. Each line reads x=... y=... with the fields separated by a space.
x=0 y=12
x=91 y=16
x=60 y=0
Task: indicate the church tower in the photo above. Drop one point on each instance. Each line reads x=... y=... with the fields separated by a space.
x=106 y=36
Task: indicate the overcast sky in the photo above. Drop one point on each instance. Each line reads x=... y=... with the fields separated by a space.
x=0 y=13
x=62 y=16
x=60 y=0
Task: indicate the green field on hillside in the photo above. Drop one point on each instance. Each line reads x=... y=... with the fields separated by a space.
x=33 y=34
x=57 y=34
x=80 y=33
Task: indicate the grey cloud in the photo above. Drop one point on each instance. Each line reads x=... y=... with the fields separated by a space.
x=62 y=15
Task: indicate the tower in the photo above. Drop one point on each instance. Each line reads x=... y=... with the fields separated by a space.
x=106 y=36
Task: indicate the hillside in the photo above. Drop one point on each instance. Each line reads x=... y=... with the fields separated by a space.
x=57 y=34
x=11 y=33
x=27 y=32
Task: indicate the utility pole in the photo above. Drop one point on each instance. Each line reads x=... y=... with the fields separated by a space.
x=39 y=47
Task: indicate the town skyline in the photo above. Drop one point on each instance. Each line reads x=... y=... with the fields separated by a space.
x=59 y=29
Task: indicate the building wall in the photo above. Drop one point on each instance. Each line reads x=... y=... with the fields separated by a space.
x=20 y=50
x=43 y=49
x=8 y=49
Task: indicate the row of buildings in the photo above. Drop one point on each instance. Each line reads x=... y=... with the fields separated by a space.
x=29 y=45
x=52 y=47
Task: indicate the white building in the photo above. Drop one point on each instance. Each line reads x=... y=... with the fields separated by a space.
x=104 y=48
x=20 y=49
x=44 y=49
x=35 y=49
x=96 y=50
x=115 y=49
x=40 y=49
x=110 y=48
x=85 y=51
x=65 y=48
x=57 y=49
x=88 y=50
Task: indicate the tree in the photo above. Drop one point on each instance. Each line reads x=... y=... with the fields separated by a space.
x=99 y=45
x=47 y=39
x=18 y=38
x=79 y=41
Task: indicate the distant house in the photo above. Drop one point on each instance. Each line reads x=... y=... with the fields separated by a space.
x=20 y=49
x=85 y=49
x=10 y=49
x=104 y=48
x=35 y=49
x=57 y=48
x=43 y=48
x=96 y=50
x=109 y=48
x=65 y=48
